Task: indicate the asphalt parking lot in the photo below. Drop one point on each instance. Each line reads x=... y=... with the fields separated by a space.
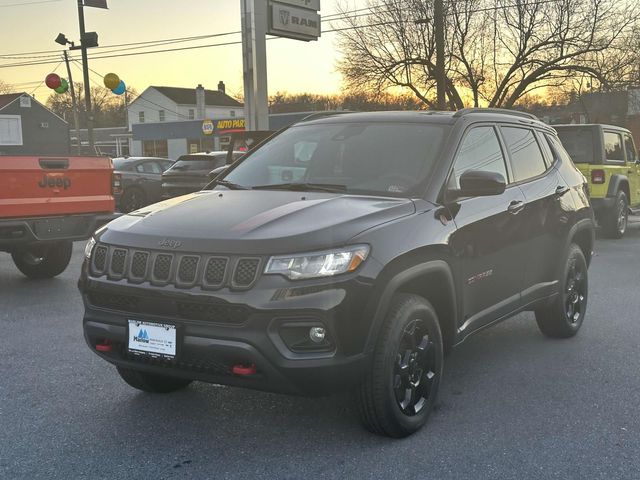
x=513 y=404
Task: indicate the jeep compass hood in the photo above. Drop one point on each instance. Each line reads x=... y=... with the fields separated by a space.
x=254 y=222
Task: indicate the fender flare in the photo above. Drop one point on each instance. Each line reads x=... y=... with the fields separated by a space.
x=393 y=286
x=614 y=185
x=585 y=224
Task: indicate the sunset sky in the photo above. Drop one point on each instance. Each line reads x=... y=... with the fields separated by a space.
x=31 y=26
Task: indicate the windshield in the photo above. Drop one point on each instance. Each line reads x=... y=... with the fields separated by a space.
x=199 y=162
x=368 y=158
x=578 y=143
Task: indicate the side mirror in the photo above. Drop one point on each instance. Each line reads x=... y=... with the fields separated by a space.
x=478 y=183
x=213 y=174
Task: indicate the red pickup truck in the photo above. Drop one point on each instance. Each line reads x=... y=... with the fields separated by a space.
x=48 y=202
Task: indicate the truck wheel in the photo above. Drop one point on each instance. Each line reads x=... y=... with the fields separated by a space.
x=400 y=389
x=43 y=261
x=132 y=199
x=152 y=383
x=563 y=318
x=615 y=221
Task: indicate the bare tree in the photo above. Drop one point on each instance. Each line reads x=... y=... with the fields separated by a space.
x=5 y=88
x=497 y=50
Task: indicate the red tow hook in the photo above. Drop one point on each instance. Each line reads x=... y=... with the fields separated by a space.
x=105 y=346
x=241 y=369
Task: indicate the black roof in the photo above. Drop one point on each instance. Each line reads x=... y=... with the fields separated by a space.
x=187 y=96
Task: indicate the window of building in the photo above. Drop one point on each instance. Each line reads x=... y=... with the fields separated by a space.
x=155 y=148
x=141 y=117
x=195 y=145
x=192 y=114
x=479 y=150
x=161 y=115
x=10 y=130
x=613 y=147
x=527 y=160
x=232 y=113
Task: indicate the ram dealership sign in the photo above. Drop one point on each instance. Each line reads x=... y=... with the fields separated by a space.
x=297 y=19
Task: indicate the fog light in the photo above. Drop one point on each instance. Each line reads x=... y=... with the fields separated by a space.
x=317 y=334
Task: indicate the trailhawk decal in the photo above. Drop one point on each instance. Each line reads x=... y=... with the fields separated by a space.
x=479 y=276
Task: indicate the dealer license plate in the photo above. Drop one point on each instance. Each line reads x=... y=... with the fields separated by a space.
x=153 y=339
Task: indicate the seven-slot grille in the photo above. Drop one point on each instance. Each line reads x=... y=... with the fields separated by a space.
x=181 y=270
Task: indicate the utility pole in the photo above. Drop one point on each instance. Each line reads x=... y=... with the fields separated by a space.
x=74 y=104
x=85 y=72
x=441 y=79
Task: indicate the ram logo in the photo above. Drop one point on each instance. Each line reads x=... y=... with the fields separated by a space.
x=284 y=17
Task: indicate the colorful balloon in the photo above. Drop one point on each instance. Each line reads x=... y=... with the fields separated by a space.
x=120 y=89
x=111 y=81
x=53 y=81
x=64 y=86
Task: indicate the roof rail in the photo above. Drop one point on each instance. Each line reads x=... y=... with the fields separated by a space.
x=503 y=111
x=314 y=116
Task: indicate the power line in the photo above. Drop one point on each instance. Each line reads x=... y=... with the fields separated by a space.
x=28 y=3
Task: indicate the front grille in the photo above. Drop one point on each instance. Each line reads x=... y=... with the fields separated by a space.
x=125 y=303
x=225 y=314
x=118 y=258
x=186 y=271
x=100 y=258
x=246 y=271
x=214 y=274
x=139 y=265
x=162 y=267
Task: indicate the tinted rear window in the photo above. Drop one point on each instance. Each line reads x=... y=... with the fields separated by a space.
x=578 y=143
x=199 y=162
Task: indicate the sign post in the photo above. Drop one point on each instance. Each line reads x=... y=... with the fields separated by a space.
x=297 y=19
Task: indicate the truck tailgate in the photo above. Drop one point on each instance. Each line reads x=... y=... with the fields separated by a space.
x=43 y=186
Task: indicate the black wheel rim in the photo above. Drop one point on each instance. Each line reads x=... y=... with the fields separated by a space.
x=415 y=369
x=622 y=216
x=575 y=293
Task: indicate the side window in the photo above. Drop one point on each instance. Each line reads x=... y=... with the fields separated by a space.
x=632 y=157
x=558 y=149
x=526 y=157
x=613 y=147
x=148 y=167
x=479 y=150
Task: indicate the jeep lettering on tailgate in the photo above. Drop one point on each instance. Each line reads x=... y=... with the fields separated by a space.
x=51 y=181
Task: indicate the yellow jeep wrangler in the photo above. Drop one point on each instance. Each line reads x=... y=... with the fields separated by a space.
x=607 y=156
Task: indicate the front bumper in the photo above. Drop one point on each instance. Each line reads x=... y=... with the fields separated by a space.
x=208 y=350
x=20 y=232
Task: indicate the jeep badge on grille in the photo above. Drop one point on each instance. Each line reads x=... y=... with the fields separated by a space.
x=168 y=243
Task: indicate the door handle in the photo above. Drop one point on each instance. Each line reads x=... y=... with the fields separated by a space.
x=561 y=190
x=515 y=207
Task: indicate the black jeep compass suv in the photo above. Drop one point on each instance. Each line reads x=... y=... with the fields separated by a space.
x=349 y=251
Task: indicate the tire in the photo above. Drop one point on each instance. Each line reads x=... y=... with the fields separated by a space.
x=615 y=221
x=152 y=383
x=132 y=199
x=400 y=389
x=564 y=317
x=43 y=261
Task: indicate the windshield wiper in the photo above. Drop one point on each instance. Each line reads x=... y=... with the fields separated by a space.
x=303 y=187
x=231 y=185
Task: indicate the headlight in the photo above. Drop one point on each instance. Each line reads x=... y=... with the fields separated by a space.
x=88 y=249
x=318 y=264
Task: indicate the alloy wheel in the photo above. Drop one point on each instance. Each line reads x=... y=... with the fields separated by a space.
x=414 y=370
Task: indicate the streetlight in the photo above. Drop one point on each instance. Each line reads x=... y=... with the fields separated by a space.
x=61 y=39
